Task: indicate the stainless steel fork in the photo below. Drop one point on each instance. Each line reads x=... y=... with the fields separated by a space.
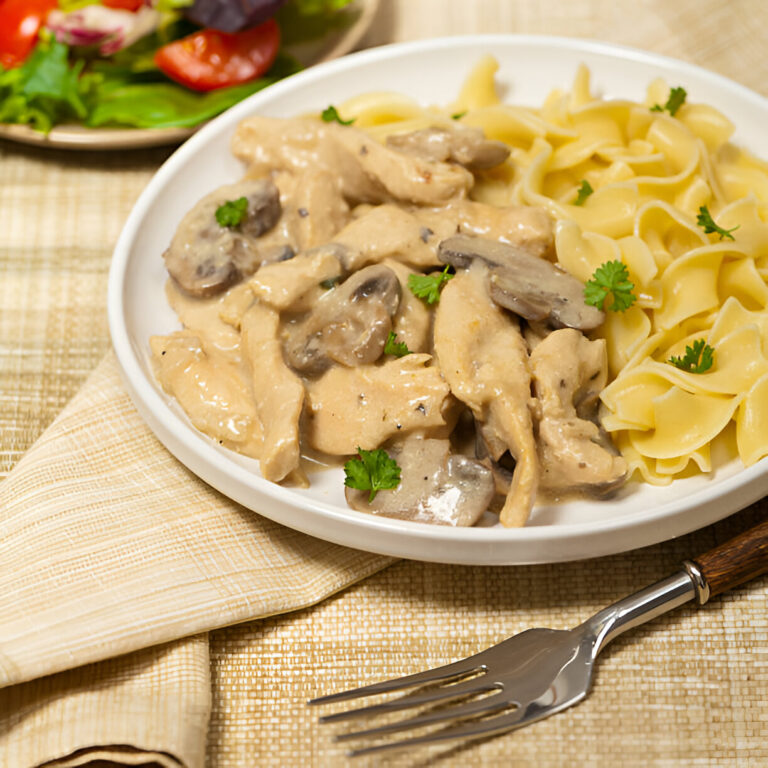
x=541 y=671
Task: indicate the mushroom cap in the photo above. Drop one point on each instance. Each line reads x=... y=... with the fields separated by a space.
x=527 y=285
x=436 y=486
x=204 y=257
x=349 y=325
x=461 y=144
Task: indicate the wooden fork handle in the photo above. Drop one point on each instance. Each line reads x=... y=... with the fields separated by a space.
x=738 y=560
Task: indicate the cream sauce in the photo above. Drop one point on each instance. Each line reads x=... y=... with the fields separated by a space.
x=348 y=202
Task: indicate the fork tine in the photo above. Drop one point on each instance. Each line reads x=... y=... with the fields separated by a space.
x=444 y=674
x=499 y=724
x=415 y=700
x=472 y=708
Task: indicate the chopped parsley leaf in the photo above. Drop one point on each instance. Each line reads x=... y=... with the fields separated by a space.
x=611 y=277
x=232 y=212
x=704 y=219
x=372 y=471
x=697 y=358
x=428 y=287
x=331 y=115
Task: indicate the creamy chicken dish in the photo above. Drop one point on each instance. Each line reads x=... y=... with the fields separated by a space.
x=303 y=334
x=468 y=308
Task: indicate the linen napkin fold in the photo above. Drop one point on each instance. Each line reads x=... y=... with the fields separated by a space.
x=108 y=545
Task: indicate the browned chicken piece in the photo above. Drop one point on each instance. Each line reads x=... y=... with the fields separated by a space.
x=365 y=406
x=277 y=392
x=483 y=357
x=388 y=230
x=569 y=371
x=367 y=170
x=313 y=207
x=209 y=386
x=435 y=486
x=526 y=226
x=294 y=284
x=412 y=323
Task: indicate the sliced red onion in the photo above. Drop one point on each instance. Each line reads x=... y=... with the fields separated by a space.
x=108 y=28
x=231 y=15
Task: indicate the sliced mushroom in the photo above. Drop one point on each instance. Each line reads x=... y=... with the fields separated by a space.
x=435 y=486
x=205 y=257
x=531 y=287
x=350 y=324
x=460 y=144
x=367 y=405
x=569 y=371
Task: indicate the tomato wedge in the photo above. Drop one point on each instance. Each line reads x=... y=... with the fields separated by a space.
x=208 y=59
x=123 y=5
x=20 y=21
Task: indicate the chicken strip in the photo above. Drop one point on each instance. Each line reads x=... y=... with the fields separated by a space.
x=569 y=371
x=278 y=392
x=483 y=357
x=367 y=170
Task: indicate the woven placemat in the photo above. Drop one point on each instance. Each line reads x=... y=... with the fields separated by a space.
x=689 y=689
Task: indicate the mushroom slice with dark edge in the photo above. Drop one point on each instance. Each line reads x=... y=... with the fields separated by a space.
x=459 y=144
x=529 y=286
x=349 y=325
x=435 y=486
x=205 y=257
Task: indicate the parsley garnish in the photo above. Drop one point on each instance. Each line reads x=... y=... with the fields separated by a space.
x=231 y=213
x=394 y=347
x=331 y=115
x=697 y=358
x=428 y=287
x=674 y=102
x=331 y=282
x=611 y=277
x=372 y=471
x=704 y=219
x=585 y=190
x=458 y=115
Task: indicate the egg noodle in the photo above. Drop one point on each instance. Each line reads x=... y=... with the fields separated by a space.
x=651 y=172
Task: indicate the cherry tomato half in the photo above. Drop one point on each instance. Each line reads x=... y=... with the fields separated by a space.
x=124 y=5
x=209 y=59
x=20 y=21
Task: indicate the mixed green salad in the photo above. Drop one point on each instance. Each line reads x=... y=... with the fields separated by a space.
x=147 y=63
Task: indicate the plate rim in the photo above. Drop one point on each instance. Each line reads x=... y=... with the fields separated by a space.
x=750 y=484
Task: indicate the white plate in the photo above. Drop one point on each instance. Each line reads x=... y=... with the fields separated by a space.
x=336 y=43
x=430 y=71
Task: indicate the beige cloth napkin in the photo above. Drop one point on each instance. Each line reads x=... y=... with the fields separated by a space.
x=130 y=551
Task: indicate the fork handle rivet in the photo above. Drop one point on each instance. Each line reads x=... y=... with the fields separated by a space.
x=699 y=582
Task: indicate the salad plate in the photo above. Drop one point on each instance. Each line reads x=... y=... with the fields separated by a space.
x=335 y=43
x=432 y=72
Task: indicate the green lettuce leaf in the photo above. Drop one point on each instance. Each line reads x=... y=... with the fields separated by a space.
x=46 y=89
x=120 y=101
